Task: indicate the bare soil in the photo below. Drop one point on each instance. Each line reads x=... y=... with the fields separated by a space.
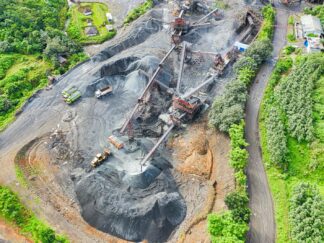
x=202 y=154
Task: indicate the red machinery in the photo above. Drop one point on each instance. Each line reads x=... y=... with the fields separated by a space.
x=190 y=105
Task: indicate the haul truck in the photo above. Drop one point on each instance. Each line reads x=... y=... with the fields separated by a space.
x=73 y=97
x=102 y=92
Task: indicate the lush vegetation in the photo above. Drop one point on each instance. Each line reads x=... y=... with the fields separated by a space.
x=224 y=229
x=12 y=210
x=306 y=214
x=79 y=22
x=135 y=13
x=35 y=27
x=31 y=42
x=21 y=76
x=266 y=31
x=292 y=134
x=229 y=108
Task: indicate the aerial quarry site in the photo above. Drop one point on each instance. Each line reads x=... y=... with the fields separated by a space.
x=163 y=70
x=118 y=148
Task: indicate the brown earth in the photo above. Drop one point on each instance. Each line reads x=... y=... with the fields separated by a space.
x=9 y=233
x=203 y=152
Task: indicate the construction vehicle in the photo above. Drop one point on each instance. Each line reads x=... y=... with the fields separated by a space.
x=102 y=92
x=73 y=97
x=100 y=158
x=68 y=92
x=116 y=142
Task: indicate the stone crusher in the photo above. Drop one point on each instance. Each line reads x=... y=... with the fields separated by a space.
x=181 y=26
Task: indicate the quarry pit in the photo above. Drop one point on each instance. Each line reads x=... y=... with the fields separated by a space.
x=54 y=143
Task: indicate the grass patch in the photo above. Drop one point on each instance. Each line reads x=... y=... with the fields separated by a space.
x=14 y=212
x=135 y=13
x=79 y=23
x=20 y=176
x=22 y=79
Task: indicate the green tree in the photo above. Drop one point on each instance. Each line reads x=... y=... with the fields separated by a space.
x=237 y=202
x=306 y=214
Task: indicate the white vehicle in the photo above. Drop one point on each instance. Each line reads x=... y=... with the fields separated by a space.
x=101 y=92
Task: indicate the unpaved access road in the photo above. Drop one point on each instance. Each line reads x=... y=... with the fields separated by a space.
x=262 y=224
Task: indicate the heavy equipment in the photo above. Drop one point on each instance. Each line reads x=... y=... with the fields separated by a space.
x=100 y=158
x=104 y=91
x=69 y=91
x=73 y=97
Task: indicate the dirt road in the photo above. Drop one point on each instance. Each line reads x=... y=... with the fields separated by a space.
x=262 y=225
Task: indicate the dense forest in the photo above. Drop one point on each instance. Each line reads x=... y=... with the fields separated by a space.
x=35 y=27
x=32 y=41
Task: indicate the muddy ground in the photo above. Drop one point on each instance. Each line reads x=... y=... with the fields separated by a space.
x=54 y=143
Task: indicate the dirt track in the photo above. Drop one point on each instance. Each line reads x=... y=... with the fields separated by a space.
x=262 y=224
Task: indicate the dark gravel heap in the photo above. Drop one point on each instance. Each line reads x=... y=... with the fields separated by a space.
x=132 y=207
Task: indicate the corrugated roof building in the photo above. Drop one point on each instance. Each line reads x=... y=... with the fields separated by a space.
x=311 y=25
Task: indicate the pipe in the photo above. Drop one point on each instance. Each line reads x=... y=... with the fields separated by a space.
x=181 y=67
x=198 y=87
x=156 y=146
x=205 y=52
x=148 y=86
x=206 y=16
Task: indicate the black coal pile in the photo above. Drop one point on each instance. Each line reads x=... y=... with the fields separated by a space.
x=133 y=207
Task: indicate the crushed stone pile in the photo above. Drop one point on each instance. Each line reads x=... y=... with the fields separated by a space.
x=133 y=207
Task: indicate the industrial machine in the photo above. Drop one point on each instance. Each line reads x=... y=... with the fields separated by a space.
x=100 y=158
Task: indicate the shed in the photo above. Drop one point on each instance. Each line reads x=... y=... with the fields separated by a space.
x=62 y=60
x=311 y=25
x=91 y=31
x=87 y=11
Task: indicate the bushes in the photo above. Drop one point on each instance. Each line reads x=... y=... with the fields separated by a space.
x=276 y=138
x=307 y=214
x=237 y=202
x=224 y=229
x=5 y=63
x=266 y=31
x=138 y=11
x=12 y=210
x=228 y=108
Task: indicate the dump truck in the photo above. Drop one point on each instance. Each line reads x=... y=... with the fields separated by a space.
x=116 y=142
x=100 y=158
x=73 y=97
x=102 y=92
x=68 y=92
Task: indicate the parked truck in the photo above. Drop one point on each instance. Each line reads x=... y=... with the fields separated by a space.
x=100 y=158
x=68 y=92
x=104 y=91
x=73 y=97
